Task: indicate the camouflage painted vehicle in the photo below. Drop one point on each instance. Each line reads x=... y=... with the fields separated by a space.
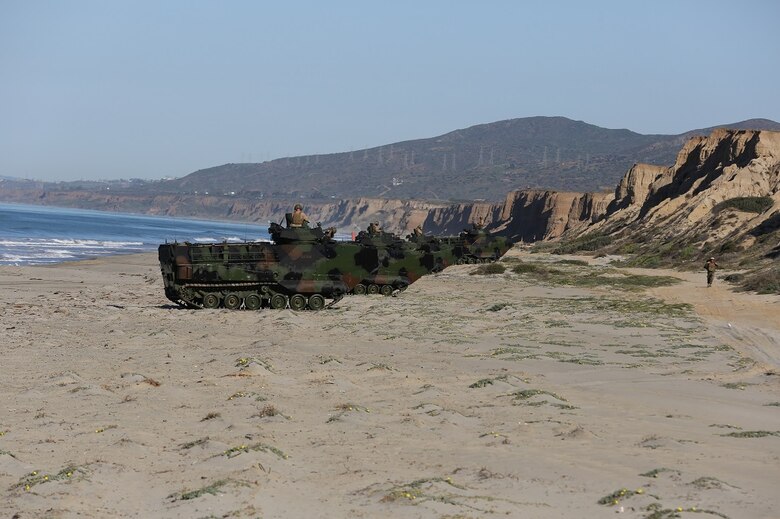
x=397 y=263
x=476 y=245
x=301 y=269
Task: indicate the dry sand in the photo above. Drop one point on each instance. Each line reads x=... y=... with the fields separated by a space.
x=464 y=397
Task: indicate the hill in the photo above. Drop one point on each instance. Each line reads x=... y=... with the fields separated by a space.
x=720 y=198
x=481 y=162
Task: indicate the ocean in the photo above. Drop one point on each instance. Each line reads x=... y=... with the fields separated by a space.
x=36 y=235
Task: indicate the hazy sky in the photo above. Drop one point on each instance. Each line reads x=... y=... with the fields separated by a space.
x=110 y=89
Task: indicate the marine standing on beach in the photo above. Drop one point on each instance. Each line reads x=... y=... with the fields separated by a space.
x=299 y=218
x=710 y=267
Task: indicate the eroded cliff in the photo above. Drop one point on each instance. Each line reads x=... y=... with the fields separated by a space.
x=684 y=198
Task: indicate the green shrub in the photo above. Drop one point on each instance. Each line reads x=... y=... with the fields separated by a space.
x=525 y=268
x=589 y=242
x=580 y=263
x=764 y=281
x=747 y=204
x=729 y=246
x=489 y=268
x=535 y=268
x=687 y=252
x=648 y=261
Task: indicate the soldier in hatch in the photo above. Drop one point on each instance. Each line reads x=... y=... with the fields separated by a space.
x=299 y=218
x=479 y=224
x=374 y=228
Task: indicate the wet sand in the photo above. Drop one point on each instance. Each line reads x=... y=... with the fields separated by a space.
x=464 y=397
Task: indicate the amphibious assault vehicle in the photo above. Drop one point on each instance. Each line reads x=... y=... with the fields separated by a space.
x=301 y=269
x=476 y=245
x=398 y=263
x=303 y=266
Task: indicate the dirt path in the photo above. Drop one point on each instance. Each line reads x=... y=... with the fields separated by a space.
x=748 y=322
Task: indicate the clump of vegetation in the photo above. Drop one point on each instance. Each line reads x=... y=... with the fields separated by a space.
x=540 y=271
x=245 y=362
x=647 y=260
x=446 y=491
x=763 y=281
x=736 y=385
x=627 y=248
x=525 y=394
x=746 y=204
x=327 y=359
x=269 y=410
x=725 y=426
x=589 y=242
x=257 y=447
x=654 y=255
x=381 y=366
x=579 y=263
x=38 y=478
x=659 y=512
x=414 y=490
x=638 y=280
x=654 y=473
x=210 y=416
x=498 y=306
x=189 y=445
x=494 y=434
x=752 y=434
x=343 y=409
x=247 y=394
x=212 y=489
x=488 y=268
x=623 y=493
x=486 y=382
x=709 y=483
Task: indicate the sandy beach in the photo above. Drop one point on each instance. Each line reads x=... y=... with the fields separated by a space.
x=466 y=396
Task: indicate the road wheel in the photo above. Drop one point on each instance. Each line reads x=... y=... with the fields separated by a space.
x=253 y=302
x=386 y=290
x=278 y=301
x=359 y=289
x=232 y=301
x=298 y=302
x=373 y=289
x=211 y=300
x=316 y=302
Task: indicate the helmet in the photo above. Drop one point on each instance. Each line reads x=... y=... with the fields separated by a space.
x=298 y=206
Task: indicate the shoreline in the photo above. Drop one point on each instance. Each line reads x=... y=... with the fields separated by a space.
x=466 y=396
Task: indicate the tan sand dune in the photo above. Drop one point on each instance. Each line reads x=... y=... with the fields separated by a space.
x=464 y=397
